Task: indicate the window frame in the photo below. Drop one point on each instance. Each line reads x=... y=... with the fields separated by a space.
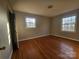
x=27 y=22
x=69 y=24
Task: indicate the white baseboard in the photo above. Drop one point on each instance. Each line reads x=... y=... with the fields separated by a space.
x=66 y=37
x=34 y=37
x=11 y=54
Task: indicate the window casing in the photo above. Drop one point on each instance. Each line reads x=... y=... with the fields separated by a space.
x=68 y=24
x=30 y=22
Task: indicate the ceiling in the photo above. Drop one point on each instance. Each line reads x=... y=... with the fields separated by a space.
x=40 y=7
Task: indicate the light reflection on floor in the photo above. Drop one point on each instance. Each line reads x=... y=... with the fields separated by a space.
x=67 y=51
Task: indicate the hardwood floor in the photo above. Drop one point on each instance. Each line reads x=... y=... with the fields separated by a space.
x=49 y=47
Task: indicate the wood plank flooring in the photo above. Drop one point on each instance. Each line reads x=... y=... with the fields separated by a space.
x=49 y=47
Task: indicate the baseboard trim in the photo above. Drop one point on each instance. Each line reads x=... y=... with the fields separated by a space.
x=66 y=38
x=34 y=37
x=11 y=54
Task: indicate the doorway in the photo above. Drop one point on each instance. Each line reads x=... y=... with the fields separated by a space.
x=12 y=20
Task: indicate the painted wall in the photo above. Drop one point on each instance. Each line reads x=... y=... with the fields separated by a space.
x=4 y=32
x=56 y=25
x=42 y=26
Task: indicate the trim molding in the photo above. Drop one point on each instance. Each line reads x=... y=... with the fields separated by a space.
x=66 y=37
x=34 y=37
x=11 y=54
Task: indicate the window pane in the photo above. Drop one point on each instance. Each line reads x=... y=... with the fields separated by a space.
x=63 y=21
x=30 y=22
x=68 y=23
x=73 y=27
x=73 y=19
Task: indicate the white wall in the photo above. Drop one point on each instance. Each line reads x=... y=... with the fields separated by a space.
x=4 y=34
x=56 y=25
x=42 y=26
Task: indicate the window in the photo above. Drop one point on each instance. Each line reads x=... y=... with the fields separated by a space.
x=30 y=22
x=68 y=24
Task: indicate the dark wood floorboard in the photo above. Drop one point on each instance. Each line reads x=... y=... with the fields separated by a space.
x=49 y=47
